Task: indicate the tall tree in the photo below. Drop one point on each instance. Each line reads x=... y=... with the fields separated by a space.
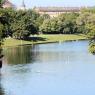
x=23 y=24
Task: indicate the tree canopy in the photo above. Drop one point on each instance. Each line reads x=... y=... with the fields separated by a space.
x=20 y=24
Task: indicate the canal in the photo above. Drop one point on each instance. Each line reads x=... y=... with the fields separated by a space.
x=48 y=69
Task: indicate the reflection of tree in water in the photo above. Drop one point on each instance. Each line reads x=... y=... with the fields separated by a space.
x=20 y=55
x=1 y=89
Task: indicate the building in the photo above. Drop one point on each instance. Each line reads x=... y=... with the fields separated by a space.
x=8 y=4
x=55 y=11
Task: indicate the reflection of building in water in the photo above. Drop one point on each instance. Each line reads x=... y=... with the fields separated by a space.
x=8 y=4
x=55 y=11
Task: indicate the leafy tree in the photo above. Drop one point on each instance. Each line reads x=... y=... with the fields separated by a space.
x=92 y=47
x=3 y=24
x=55 y=26
x=45 y=27
x=68 y=23
x=50 y=26
x=65 y=23
x=39 y=21
x=81 y=22
x=23 y=24
x=88 y=20
x=5 y=21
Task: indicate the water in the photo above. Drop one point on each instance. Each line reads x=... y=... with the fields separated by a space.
x=48 y=69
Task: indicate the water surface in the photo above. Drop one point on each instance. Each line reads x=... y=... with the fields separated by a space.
x=48 y=69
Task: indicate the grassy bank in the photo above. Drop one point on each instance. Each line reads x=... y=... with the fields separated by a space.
x=42 y=39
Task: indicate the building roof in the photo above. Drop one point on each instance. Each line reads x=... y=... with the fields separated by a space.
x=7 y=4
x=58 y=9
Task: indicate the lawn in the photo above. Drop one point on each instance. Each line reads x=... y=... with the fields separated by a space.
x=39 y=39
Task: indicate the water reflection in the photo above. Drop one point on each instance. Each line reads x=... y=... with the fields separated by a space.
x=49 y=75
x=1 y=89
x=19 y=55
x=46 y=53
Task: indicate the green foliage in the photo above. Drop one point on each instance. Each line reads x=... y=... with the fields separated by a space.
x=39 y=21
x=65 y=23
x=55 y=26
x=18 y=24
x=5 y=19
x=80 y=23
x=4 y=23
x=87 y=19
x=23 y=24
x=45 y=27
x=90 y=31
x=92 y=47
x=1 y=2
x=51 y=26
x=1 y=30
x=90 y=10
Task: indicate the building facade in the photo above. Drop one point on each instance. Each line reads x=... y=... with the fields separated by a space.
x=55 y=11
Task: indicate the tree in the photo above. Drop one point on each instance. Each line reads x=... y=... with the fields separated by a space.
x=39 y=21
x=23 y=24
x=46 y=26
x=3 y=24
x=88 y=20
x=55 y=26
x=5 y=21
x=82 y=21
x=65 y=23
x=68 y=23
x=51 y=26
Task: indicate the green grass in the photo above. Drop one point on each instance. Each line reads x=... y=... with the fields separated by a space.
x=43 y=39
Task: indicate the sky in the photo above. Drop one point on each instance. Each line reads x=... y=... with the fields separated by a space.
x=61 y=3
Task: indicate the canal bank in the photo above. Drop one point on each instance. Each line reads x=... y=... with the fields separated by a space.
x=43 y=39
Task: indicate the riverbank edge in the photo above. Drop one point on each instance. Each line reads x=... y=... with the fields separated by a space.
x=22 y=43
x=51 y=42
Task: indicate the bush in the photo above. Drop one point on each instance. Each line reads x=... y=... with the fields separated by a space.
x=92 y=47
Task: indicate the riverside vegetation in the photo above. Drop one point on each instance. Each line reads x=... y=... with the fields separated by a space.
x=20 y=25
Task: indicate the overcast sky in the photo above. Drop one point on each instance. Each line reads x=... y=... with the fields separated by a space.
x=63 y=3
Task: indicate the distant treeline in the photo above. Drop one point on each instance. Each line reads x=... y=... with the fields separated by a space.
x=21 y=24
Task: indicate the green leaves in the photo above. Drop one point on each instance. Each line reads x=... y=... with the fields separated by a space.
x=65 y=23
x=24 y=24
x=87 y=19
